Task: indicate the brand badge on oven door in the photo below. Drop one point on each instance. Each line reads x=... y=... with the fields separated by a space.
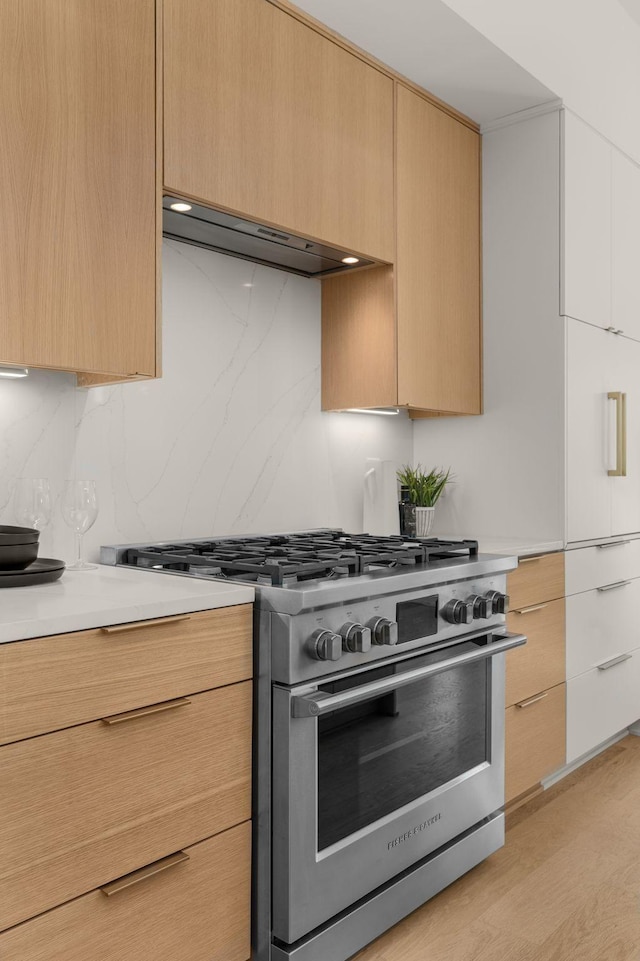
x=413 y=831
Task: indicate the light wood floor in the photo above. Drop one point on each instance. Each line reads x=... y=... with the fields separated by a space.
x=566 y=886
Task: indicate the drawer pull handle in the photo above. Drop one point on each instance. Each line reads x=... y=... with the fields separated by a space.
x=114 y=887
x=122 y=628
x=613 y=587
x=602 y=547
x=528 y=560
x=530 y=610
x=532 y=700
x=144 y=711
x=614 y=660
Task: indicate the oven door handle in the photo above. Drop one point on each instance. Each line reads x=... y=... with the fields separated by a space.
x=315 y=705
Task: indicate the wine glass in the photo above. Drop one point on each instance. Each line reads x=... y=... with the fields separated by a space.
x=80 y=509
x=32 y=502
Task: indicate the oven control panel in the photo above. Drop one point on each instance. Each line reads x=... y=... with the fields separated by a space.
x=308 y=645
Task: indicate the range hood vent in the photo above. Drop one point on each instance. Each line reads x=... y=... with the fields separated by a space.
x=227 y=234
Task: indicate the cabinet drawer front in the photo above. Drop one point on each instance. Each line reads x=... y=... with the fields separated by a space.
x=91 y=803
x=591 y=567
x=601 y=703
x=203 y=903
x=535 y=580
x=540 y=664
x=601 y=624
x=53 y=682
x=534 y=741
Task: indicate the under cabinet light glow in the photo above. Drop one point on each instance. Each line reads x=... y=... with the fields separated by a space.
x=350 y=260
x=180 y=207
x=385 y=411
x=14 y=371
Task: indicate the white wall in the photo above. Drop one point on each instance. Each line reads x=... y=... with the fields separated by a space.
x=430 y=44
x=37 y=440
x=230 y=440
x=509 y=463
x=587 y=51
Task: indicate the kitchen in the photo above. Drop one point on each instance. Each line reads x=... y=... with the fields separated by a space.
x=231 y=439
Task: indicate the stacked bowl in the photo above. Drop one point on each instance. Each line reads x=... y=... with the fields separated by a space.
x=19 y=564
x=18 y=547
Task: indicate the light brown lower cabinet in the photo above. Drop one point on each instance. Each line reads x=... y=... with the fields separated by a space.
x=536 y=580
x=540 y=663
x=48 y=683
x=535 y=740
x=535 y=675
x=82 y=806
x=198 y=909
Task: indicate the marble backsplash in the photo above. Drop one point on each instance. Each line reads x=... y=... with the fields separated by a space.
x=230 y=440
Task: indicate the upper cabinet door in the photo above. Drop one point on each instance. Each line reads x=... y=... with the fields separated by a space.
x=78 y=171
x=269 y=119
x=438 y=259
x=589 y=440
x=625 y=260
x=586 y=274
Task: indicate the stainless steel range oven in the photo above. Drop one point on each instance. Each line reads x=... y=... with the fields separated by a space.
x=379 y=724
x=376 y=769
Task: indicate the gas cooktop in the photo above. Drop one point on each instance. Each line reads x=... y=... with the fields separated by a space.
x=285 y=560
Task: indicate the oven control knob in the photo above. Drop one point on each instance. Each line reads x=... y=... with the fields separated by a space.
x=326 y=646
x=482 y=606
x=356 y=638
x=499 y=602
x=458 y=612
x=383 y=631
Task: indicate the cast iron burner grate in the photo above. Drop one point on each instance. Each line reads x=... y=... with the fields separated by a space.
x=282 y=560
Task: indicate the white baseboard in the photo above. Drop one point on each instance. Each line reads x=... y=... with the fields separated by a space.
x=568 y=768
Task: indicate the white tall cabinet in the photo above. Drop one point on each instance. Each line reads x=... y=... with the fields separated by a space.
x=600 y=299
x=561 y=252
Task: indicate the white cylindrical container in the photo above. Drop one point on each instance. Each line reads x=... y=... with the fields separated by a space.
x=424 y=520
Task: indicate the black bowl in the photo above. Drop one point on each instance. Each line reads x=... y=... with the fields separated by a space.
x=15 y=557
x=10 y=536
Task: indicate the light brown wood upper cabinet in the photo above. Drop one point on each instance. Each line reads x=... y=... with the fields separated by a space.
x=78 y=241
x=411 y=336
x=265 y=117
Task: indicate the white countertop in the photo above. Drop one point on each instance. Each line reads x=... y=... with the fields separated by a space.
x=519 y=547
x=109 y=595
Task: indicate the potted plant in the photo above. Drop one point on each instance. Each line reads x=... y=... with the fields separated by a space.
x=423 y=489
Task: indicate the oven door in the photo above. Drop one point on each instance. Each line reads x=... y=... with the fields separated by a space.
x=376 y=769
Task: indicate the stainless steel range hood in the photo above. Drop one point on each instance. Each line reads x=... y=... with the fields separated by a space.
x=227 y=234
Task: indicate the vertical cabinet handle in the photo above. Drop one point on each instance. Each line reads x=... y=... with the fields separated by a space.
x=620 y=399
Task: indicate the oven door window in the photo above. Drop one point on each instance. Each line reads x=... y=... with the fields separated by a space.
x=378 y=756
